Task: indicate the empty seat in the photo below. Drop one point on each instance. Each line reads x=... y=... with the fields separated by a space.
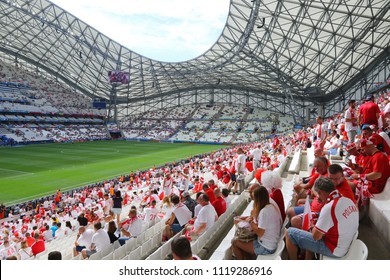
x=119 y=253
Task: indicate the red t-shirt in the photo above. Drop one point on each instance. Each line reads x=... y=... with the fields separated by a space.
x=345 y=190
x=249 y=166
x=210 y=194
x=378 y=162
x=219 y=205
x=368 y=112
x=38 y=247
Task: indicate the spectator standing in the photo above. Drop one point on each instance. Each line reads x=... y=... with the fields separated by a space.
x=351 y=121
x=117 y=202
x=369 y=111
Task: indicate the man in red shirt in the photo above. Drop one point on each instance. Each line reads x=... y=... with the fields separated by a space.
x=219 y=203
x=381 y=143
x=38 y=246
x=209 y=192
x=369 y=111
x=336 y=174
x=376 y=169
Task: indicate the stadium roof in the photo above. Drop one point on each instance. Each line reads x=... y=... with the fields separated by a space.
x=298 y=49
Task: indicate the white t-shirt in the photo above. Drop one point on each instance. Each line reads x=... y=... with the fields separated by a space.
x=135 y=228
x=100 y=239
x=338 y=234
x=240 y=160
x=349 y=125
x=182 y=213
x=86 y=238
x=256 y=153
x=228 y=201
x=24 y=253
x=269 y=220
x=167 y=210
x=206 y=215
x=150 y=213
x=197 y=210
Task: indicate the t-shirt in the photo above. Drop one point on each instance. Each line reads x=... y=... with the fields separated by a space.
x=117 y=202
x=338 y=221
x=219 y=205
x=100 y=239
x=206 y=215
x=86 y=238
x=240 y=160
x=368 y=111
x=378 y=162
x=345 y=190
x=350 y=126
x=269 y=220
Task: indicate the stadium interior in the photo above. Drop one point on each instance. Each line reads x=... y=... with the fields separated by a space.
x=276 y=66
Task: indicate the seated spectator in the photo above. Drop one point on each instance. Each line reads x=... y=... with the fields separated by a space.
x=333 y=233
x=24 y=252
x=376 y=170
x=8 y=250
x=151 y=212
x=30 y=240
x=38 y=246
x=205 y=219
x=265 y=221
x=210 y=193
x=272 y=181
x=83 y=240
x=188 y=201
x=47 y=234
x=179 y=218
x=111 y=231
x=181 y=249
x=219 y=203
x=83 y=221
x=99 y=241
x=225 y=195
x=60 y=232
x=131 y=227
x=54 y=255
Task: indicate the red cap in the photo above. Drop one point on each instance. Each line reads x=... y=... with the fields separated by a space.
x=364 y=143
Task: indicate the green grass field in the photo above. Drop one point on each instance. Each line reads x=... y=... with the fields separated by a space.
x=33 y=171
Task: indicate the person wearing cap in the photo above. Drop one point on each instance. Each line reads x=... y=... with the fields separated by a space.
x=376 y=169
x=189 y=202
x=380 y=142
x=337 y=224
x=351 y=121
x=369 y=111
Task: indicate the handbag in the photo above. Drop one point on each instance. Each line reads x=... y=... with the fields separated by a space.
x=244 y=233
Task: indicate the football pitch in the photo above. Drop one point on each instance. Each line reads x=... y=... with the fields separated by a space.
x=33 y=171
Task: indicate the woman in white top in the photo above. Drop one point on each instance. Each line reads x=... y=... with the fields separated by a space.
x=24 y=252
x=166 y=208
x=265 y=221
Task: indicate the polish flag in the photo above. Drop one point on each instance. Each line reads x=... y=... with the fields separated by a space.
x=307 y=217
